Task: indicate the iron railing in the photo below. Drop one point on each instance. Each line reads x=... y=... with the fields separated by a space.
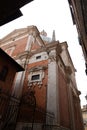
x=10 y=106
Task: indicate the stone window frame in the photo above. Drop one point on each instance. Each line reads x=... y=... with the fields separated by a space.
x=40 y=73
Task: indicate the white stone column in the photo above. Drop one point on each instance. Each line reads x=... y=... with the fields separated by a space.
x=18 y=85
x=52 y=88
x=29 y=42
x=19 y=81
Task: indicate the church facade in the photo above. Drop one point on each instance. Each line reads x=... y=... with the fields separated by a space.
x=47 y=90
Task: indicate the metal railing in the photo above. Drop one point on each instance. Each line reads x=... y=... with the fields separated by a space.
x=10 y=106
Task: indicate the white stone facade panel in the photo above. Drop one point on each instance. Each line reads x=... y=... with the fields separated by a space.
x=34 y=59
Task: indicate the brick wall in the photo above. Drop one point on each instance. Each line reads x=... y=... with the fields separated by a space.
x=63 y=101
x=40 y=95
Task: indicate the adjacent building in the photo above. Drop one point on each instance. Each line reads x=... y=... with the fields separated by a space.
x=84 y=114
x=47 y=90
x=78 y=10
x=8 y=69
x=10 y=10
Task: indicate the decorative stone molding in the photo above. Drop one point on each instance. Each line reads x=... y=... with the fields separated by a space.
x=52 y=56
x=42 y=56
x=53 y=50
x=34 y=31
x=23 y=58
x=23 y=54
x=35 y=82
x=22 y=62
x=38 y=68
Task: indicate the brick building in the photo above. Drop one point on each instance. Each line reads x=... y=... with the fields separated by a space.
x=8 y=69
x=50 y=75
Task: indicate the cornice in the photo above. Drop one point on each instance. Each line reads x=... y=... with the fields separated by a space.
x=32 y=30
x=49 y=47
x=12 y=39
x=68 y=54
x=22 y=55
x=37 y=68
x=19 y=33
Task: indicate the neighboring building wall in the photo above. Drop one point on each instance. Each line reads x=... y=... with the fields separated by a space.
x=84 y=114
x=79 y=17
x=8 y=69
x=5 y=86
x=10 y=75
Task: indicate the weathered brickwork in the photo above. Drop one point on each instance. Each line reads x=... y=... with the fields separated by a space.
x=63 y=97
x=48 y=74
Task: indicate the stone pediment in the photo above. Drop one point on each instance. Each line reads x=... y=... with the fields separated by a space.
x=17 y=32
x=14 y=34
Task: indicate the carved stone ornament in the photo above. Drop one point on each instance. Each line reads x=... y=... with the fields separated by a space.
x=52 y=56
x=35 y=82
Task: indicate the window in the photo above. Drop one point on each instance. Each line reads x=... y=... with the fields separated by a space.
x=3 y=73
x=35 y=77
x=38 y=57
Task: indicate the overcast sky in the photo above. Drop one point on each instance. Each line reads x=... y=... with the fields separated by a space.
x=53 y=15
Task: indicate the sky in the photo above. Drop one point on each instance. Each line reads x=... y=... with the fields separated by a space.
x=53 y=15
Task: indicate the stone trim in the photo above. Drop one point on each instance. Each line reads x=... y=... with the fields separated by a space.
x=37 y=82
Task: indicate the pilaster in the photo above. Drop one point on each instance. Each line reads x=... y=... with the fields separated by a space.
x=52 y=88
x=19 y=80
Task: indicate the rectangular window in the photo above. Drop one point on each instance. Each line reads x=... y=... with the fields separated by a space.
x=38 y=57
x=35 y=77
